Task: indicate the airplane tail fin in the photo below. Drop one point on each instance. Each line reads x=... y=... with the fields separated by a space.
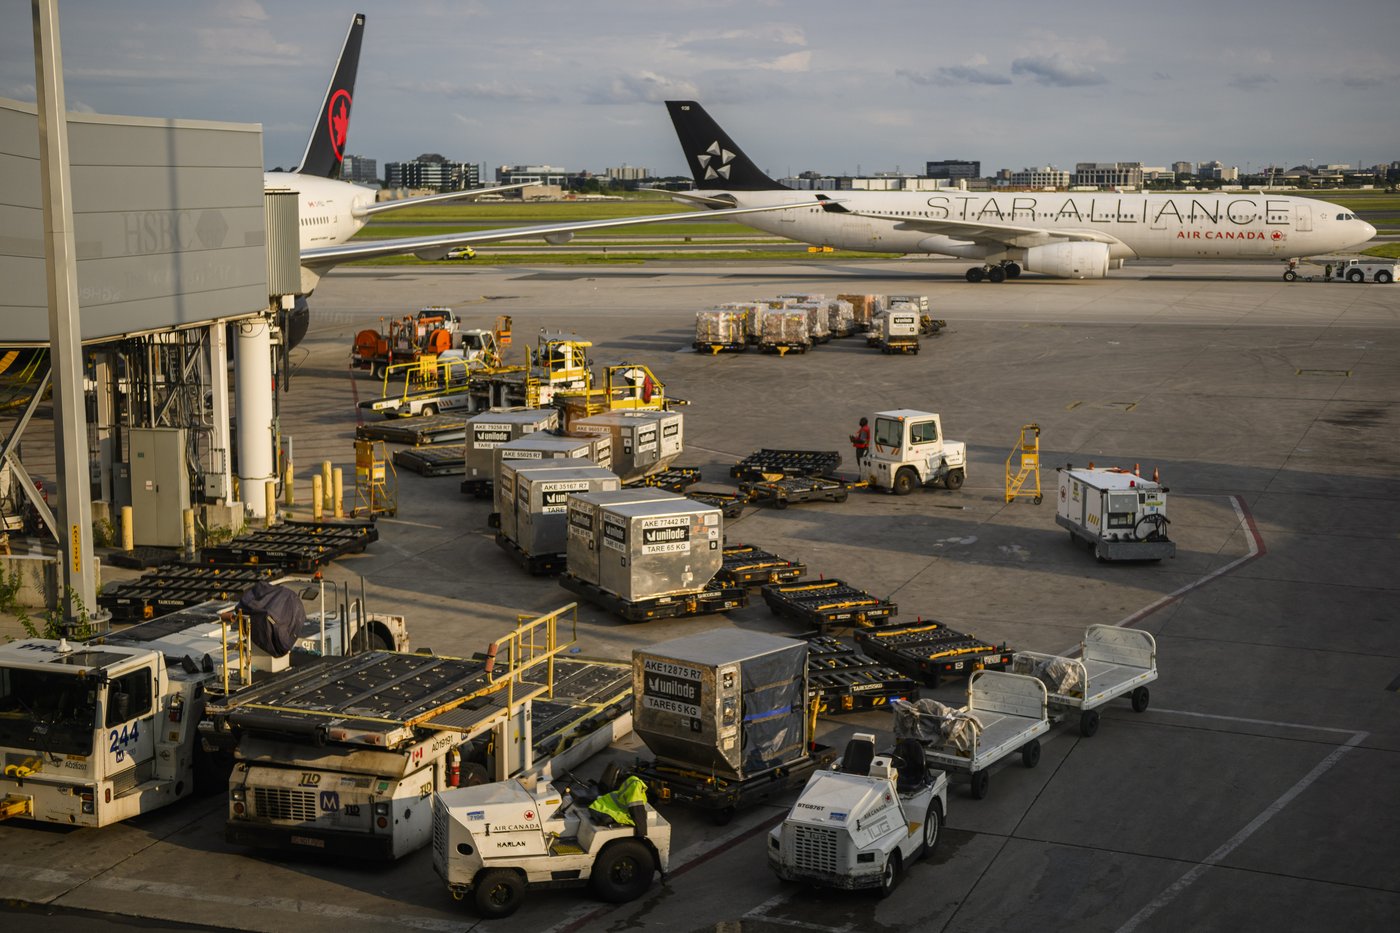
x=715 y=161
x=326 y=148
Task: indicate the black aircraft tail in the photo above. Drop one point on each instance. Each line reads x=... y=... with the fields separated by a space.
x=325 y=150
x=715 y=161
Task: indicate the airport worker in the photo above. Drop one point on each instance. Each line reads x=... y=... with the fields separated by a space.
x=861 y=442
x=1327 y=273
x=626 y=805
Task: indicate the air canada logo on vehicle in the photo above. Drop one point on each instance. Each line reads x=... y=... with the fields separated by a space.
x=720 y=156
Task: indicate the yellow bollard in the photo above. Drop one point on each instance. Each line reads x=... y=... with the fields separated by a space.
x=338 y=496
x=128 y=531
x=317 y=502
x=270 y=503
x=289 y=486
x=188 y=532
x=326 y=483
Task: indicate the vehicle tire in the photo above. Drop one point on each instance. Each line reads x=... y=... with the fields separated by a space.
x=780 y=503
x=1290 y=276
x=377 y=370
x=996 y=275
x=975 y=274
x=622 y=872
x=841 y=496
x=1355 y=275
x=498 y=892
x=981 y=781
x=954 y=479
x=1012 y=270
x=1383 y=278
x=933 y=821
x=612 y=778
x=1141 y=697
x=891 y=875
x=428 y=411
x=1089 y=723
x=904 y=482
x=1037 y=500
x=1030 y=753
x=474 y=774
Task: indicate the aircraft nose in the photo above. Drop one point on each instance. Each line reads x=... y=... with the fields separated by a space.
x=1369 y=230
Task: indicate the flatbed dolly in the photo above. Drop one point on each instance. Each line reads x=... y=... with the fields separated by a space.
x=728 y=499
x=295 y=545
x=174 y=587
x=783 y=492
x=1012 y=711
x=749 y=566
x=820 y=604
x=931 y=651
x=537 y=565
x=433 y=459
x=769 y=463
x=714 y=598
x=425 y=429
x=841 y=679
x=672 y=479
x=1113 y=662
x=478 y=488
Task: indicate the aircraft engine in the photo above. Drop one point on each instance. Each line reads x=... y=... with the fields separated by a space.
x=558 y=239
x=1075 y=260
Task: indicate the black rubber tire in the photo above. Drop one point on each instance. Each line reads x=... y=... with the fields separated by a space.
x=1089 y=723
x=1037 y=500
x=904 y=482
x=841 y=496
x=891 y=875
x=981 y=782
x=1141 y=697
x=474 y=774
x=498 y=892
x=1290 y=276
x=779 y=502
x=933 y=821
x=1012 y=270
x=612 y=778
x=1030 y=753
x=931 y=679
x=975 y=274
x=428 y=411
x=622 y=872
x=1383 y=278
x=377 y=370
x=955 y=479
x=996 y=275
x=1355 y=275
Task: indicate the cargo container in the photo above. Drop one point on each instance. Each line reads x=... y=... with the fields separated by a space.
x=653 y=549
x=537 y=446
x=505 y=518
x=540 y=526
x=489 y=430
x=585 y=524
x=643 y=440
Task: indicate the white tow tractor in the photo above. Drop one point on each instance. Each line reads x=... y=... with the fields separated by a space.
x=857 y=826
x=908 y=450
x=493 y=840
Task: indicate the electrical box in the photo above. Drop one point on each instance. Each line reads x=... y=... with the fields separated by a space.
x=160 y=485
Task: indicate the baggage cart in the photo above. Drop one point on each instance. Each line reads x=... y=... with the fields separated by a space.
x=820 y=604
x=1113 y=662
x=931 y=651
x=728 y=499
x=748 y=566
x=1005 y=713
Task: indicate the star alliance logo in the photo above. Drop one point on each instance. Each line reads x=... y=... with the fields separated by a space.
x=720 y=156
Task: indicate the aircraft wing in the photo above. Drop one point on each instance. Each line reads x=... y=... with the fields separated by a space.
x=976 y=231
x=381 y=206
x=693 y=198
x=321 y=258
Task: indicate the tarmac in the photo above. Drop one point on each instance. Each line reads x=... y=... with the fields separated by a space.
x=1258 y=790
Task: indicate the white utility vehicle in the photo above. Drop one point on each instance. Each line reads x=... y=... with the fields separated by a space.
x=1005 y=713
x=858 y=825
x=1117 y=513
x=896 y=329
x=1112 y=662
x=908 y=450
x=493 y=840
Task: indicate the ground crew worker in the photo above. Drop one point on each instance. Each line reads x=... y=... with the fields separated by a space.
x=861 y=442
x=626 y=805
x=1327 y=273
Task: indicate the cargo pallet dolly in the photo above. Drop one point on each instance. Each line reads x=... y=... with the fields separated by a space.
x=426 y=429
x=930 y=651
x=1029 y=448
x=1012 y=711
x=537 y=565
x=840 y=679
x=178 y=586
x=716 y=597
x=749 y=566
x=820 y=604
x=295 y=545
x=727 y=499
x=770 y=464
x=783 y=492
x=673 y=479
x=433 y=459
x=1113 y=662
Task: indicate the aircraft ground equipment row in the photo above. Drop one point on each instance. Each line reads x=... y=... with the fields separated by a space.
x=432 y=460
x=178 y=586
x=749 y=566
x=822 y=604
x=716 y=597
x=775 y=464
x=930 y=651
x=295 y=545
x=841 y=679
x=435 y=429
x=783 y=492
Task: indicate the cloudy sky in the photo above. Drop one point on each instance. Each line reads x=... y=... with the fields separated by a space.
x=801 y=84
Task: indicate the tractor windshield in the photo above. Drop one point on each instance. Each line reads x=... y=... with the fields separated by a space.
x=47 y=711
x=889 y=432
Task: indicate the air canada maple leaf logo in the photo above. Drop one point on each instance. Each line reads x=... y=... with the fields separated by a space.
x=715 y=161
x=338 y=122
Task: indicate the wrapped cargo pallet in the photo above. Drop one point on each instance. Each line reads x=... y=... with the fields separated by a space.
x=783 y=329
x=840 y=318
x=585 y=516
x=817 y=327
x=864 y=308
x=750 y=310
x=719 y=328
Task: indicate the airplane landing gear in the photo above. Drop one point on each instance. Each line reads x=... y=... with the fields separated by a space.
x=998 y=273
x=1012 y=270
x=976 y=274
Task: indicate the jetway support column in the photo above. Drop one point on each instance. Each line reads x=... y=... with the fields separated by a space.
x=218 y=385
x=252 y=393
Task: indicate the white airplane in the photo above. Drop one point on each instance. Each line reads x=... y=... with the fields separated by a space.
x=1076 y=235
x=333 y=211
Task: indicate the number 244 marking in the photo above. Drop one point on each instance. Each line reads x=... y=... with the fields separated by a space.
x=119 y=740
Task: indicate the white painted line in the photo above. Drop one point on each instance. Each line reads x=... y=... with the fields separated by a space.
x=1255 y=722
x=1238 y=839
x=187 y=893
x=400 y=521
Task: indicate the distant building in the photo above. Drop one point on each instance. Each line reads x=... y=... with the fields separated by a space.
x=1108 y=174
x=1183 y=168
x=953 y=169
x=627 y=173
x=532 y=175
x=432 y=171
x=359 y=170
x=1045 y=177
